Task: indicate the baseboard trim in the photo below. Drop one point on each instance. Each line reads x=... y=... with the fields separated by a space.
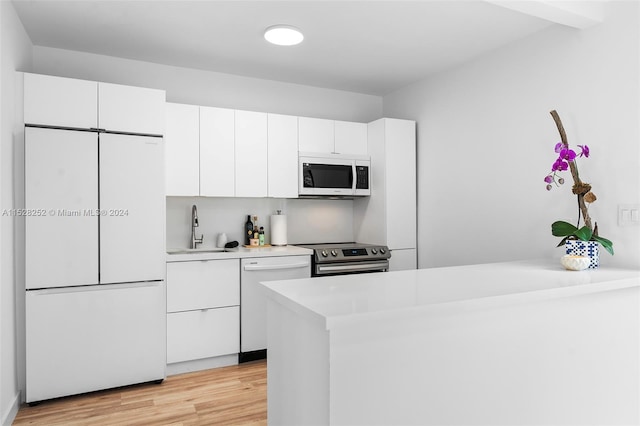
x=201 y=364
x=8 y=419
x=252 y=356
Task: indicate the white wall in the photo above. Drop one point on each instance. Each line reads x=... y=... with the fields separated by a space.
x=190 y=86
x=308 y=221
x=485 y=143
x=15 y=54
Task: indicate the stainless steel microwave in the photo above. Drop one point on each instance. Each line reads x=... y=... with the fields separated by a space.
x=333 y=175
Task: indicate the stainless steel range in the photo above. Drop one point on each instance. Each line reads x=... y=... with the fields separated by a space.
x=347 y=258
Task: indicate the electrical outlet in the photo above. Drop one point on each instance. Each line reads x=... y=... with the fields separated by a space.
x=628 y=214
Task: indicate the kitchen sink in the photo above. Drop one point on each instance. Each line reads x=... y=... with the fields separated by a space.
x=196 y=251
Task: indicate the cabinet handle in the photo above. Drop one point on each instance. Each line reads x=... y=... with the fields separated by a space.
x=259 y=267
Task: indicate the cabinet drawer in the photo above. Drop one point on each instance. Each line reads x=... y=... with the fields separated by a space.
x=203 y=334
x=203 y=284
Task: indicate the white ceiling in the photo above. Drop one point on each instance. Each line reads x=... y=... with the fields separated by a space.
x=372 y=47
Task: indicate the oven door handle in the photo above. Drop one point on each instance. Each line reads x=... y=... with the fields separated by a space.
x=362 y=266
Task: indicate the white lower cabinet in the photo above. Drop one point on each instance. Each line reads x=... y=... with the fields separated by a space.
x=403 y=259
x=203 y=333
x=203 y=309
x=203 y=284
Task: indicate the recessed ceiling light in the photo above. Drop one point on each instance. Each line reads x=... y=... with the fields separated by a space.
x=283 y=35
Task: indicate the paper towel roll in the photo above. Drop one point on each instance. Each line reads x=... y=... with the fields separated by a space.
x=278 y=230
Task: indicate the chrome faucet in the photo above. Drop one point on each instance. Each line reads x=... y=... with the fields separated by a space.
x=194 y=224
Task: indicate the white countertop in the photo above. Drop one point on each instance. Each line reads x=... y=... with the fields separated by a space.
x=338 y=299
x=238 y=253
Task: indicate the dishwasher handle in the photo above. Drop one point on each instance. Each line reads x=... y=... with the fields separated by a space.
x=259 y=267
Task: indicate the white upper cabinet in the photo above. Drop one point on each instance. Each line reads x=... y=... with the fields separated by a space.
x=220 y=152
x=251 y=154
x=350 y=138
x=59 y=101
x=131 y=109
x=282 y=136
x=315 y=135
x=182 y=148
x=328 y=136
x=72 y=103
x=217 y=152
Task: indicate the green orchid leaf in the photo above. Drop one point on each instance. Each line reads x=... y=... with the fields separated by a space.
x=608 y=245
x=562 y=241
x=584 y=233
x=562 y=229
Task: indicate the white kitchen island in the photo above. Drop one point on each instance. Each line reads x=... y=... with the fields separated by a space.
x=494 y=344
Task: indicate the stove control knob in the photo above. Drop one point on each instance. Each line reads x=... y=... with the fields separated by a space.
x=382 y=251
x=374 y=251
x=324 y=253
x=334 y=253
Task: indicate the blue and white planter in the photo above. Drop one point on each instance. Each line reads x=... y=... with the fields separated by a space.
x=584 y=248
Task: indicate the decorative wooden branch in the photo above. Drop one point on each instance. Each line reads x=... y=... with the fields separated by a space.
x=579 y=188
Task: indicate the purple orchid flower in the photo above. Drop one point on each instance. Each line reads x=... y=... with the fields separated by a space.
x=567 y=154
x=560 y=165
x=584 y=150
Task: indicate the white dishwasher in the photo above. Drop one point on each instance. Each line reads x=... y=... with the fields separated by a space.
x=253 y=302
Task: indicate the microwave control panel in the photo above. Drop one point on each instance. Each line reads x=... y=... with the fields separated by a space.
x=362 y=177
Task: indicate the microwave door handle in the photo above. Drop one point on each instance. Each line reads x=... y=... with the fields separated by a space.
x=354 y=177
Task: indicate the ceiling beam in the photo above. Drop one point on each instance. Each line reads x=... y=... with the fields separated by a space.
x=573 y=13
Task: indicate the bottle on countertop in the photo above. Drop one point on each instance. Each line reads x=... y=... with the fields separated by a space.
x=261 y=235
x=248 y=230
x=255 y=227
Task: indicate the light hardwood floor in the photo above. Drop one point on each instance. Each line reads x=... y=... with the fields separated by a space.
x=235 y=395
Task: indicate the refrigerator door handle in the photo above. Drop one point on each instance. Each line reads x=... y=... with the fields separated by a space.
x=94 y=287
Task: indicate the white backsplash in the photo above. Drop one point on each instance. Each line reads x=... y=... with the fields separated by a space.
x=308 y=220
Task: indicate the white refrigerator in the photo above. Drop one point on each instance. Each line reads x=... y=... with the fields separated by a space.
x=95 y=261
